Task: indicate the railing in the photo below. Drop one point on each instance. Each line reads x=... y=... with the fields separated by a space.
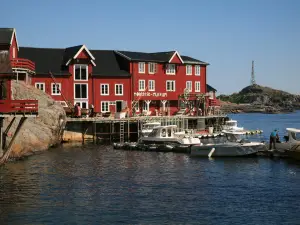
x=23 y=64
x=18 y=106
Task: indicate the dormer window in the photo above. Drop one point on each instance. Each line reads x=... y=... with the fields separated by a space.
x=170 y=69
x=141 y=67
x=81 y=72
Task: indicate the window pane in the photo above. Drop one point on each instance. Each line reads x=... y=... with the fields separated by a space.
x=83 y=72
x=77 y=72
x=83 y=91
x=77 y=90
x=84 y=105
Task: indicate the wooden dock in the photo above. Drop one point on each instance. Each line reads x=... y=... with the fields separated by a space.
x=128 y=129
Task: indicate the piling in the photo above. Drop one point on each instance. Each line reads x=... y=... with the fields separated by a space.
x=110 y=130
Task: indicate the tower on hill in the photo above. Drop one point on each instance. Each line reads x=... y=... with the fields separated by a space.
x=252 y=75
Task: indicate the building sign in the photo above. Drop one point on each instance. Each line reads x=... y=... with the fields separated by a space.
x=150 y=94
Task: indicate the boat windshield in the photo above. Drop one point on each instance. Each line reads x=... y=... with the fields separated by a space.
x=232 y=124
x=150 y=126
x=154 y=133
x=295 y=136
x=236 y=138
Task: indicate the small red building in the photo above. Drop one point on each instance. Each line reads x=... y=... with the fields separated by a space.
x=148 y=83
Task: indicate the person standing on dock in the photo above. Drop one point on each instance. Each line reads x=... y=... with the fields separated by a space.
x=273 y=137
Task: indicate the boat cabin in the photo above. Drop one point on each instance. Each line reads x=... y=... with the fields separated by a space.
x=163 y=131
x=293 y=135
x=150 y=126
x=231 y=123
x=234 y=136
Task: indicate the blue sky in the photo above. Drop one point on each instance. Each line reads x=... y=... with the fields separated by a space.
x=228 y=34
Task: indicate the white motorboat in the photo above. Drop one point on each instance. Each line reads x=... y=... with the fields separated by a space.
x=234 y=145
x=231 y=125
x=168 y=135
x=148 y=127
x=291 y=145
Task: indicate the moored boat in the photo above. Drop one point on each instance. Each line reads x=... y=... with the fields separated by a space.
x=168 y=135
x=291 y=145
x=231 y=125
x=234 y=145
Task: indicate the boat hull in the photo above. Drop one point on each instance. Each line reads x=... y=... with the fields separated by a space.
x=223 y=150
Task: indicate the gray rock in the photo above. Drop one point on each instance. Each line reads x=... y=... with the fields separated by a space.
x=42 y=132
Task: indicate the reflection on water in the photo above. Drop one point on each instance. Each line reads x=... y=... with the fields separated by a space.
x=98 y=185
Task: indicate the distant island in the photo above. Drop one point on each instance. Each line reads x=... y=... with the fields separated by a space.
x=259 y=99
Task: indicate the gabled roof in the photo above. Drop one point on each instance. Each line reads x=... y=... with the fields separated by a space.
x=72 y=53
x=53 y=59
x=162 y=57
x=7 y=35
x=210 y=88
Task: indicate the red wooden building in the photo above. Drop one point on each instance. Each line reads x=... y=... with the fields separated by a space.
x=111 y=80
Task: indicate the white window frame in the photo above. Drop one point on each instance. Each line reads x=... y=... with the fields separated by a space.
x=141 y=67
x=153 y=66
x=170 y=71
x=102 y=110
x=197 y=86
x=188 y=69
x=121 y=85
x=80 y=103
x=59 y=88
x=189 y=85
x=87 y=72
x=174 y=85
x=151 y=87
x=101 y=88
x=87 y=90
x=39 y=83
x=144 y=88
x=145 y=106
x=197 y=70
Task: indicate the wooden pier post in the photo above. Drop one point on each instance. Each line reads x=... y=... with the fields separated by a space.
x=9 y=149
x=94 y=132
x=128 y=130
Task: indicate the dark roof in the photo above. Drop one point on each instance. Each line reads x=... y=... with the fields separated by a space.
x=46 y=59
x=210 y=88
x=70 y=52
x=190 y=59
x=6 y=35
x=52 y=59
x=157 y=57
x=107 y=64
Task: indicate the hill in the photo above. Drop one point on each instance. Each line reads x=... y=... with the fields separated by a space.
x=258 y=98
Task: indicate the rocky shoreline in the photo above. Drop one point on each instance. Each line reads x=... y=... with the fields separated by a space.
x=40 y=133
x=260 y=99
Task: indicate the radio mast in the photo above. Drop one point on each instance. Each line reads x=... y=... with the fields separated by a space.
x=252 y=74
